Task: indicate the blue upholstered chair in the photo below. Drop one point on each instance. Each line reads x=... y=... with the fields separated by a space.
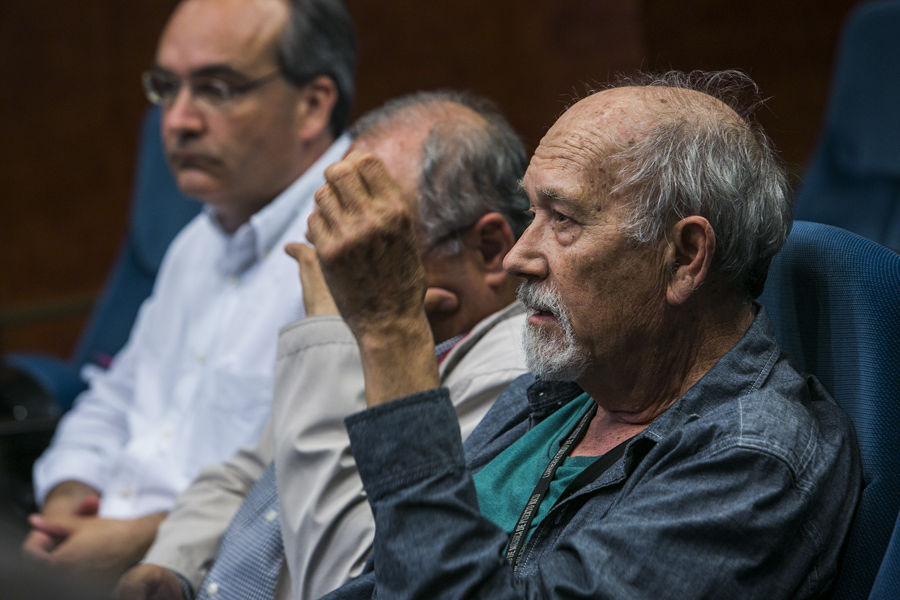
x=887 y=584
x=159 y=211
x=853 y=179
x=834 y=299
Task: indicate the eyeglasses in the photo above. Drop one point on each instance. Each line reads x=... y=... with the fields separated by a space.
x=448 y=243
x=213 y=91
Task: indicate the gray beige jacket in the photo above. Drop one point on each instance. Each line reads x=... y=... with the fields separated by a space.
x=326 y=522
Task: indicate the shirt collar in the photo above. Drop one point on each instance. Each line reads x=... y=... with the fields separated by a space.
x=254 y=239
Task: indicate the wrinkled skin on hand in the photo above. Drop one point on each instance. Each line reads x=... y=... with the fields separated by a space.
x=363 y=231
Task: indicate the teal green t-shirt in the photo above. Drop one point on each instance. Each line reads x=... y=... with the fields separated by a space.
x=504 y=485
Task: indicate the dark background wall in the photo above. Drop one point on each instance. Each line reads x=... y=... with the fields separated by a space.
x=70 y=103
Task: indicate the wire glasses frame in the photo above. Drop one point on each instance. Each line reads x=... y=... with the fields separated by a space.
x=214 y=91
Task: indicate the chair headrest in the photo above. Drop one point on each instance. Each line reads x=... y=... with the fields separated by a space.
x=863 y=123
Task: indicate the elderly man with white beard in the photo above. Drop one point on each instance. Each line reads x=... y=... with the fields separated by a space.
x=664 y=446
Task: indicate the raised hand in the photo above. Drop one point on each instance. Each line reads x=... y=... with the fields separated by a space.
x=364 y=234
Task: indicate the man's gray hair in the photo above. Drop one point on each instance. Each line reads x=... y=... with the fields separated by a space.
x=468 y=168
x=709 y=163
x=319 y=40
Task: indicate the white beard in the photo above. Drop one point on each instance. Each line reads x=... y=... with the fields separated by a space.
x=546 y=354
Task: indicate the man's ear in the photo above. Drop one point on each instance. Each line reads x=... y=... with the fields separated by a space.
x=317 y=100
x=491 y=237
x=692 y=243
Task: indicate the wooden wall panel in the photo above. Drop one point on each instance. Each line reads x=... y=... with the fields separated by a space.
x=530 y=57
x=71 y=101
x=787 y=47
x=70 y=107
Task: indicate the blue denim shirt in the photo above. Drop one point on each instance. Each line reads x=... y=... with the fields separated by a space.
x=743 y=488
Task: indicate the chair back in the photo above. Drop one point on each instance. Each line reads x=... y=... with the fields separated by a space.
x=887 y=584
x=159 y=211
x=834 y=300
x=853 y=179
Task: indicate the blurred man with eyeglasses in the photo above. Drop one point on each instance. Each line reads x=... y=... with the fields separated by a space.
x=255 y=96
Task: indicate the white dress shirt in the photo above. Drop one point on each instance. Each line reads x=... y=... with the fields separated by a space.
x=194 y=381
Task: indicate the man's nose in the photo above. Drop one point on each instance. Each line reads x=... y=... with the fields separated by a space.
x=525 y=258
x=183 y=115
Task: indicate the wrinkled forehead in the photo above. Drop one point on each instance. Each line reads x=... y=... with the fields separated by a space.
x=582 y=144
x=572 y=157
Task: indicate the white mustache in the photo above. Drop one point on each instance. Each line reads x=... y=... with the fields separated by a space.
x=541 y=299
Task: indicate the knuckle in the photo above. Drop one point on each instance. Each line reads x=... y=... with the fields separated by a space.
x=322 y=193
x=335 y=169
x=367 y=160
x=340 y=170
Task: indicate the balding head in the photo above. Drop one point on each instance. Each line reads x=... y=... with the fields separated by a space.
x=678 y=145
x=460 y=163
x=469 y=163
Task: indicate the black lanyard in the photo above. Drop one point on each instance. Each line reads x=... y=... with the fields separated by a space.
x=520 y=531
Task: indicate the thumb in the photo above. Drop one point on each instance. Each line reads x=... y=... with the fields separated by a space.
x=297 y=250
x=316 y=297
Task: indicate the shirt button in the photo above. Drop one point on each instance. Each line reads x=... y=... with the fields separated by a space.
x=126 y=492
x=212 y=588
x=201 y=359
x=271 y=515
x=232 y=280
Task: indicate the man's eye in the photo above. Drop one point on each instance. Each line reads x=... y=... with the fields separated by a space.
x=164 y=87
x=213 y=90
x=560 y=218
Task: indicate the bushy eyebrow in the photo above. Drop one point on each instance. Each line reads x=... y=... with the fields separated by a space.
x=553 y=193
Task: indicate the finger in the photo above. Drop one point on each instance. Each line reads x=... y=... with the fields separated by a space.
x=308 y=261
x=53 y=528
x=374 y=176
x=294 y=249
x=38 y=545
x=316 y=229
x=328 y=208
x=317 y=298
x=346 y=182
